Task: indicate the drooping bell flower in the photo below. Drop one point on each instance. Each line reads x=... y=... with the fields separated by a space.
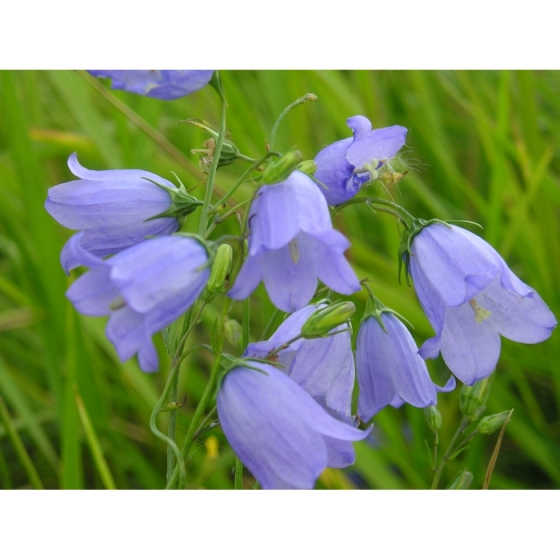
x=292 y=244
x=161 y=84
x=279 y=432
x=344 y=167
x=143 y=289
x=115 y=209
x=471 y=297
x=389 y=369
x=324 y=366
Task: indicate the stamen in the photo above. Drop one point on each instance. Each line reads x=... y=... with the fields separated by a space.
x=117 y=303
x=480 y=314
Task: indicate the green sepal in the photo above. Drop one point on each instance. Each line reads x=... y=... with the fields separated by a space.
x=182 y=203
x=375 y=309
x=280 y=170
x=230 y=152
x=232 y=362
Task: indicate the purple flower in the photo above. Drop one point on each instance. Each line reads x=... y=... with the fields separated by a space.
x=324 y=367
x=389 y=369
x=471 y=297
x=291 y=244
x=283 y=436
x=112 y=208
x=143 y=289
x=161 y=84
x=347 y=165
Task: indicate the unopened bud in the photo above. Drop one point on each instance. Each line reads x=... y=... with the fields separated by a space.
x=220 y=269
x=473 y=399
x=232 y=331
x=308 y=166
x=489 y=424
x=462 y=481
x=433 y=417
x=280 y=170
x=325 y=319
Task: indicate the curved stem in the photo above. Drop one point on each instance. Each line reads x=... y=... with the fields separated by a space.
x=213 y=167
x=306 y=97
x=209 y=389
x=382 y=205
x=171 y=444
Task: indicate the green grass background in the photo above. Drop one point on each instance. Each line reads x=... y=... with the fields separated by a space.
x=482 y=146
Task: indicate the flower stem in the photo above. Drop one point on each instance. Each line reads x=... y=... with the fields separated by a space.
x=449 y=451
x=210 y=386
x=241 y=180
x=203 y=224
x=306 y=97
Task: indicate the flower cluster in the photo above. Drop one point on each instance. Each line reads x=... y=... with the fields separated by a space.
x=285 y=406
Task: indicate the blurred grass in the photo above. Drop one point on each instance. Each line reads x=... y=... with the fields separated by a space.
x=482 y=146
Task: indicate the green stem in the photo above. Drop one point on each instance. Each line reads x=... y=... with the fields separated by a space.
x=449 y=451
x=268 y=328
x=241 y=180
x=170 y=443
x=171 y=428
x=210 y=386
x=238 y=479
x=382 y=206
x=301 y=100
x=203 y=224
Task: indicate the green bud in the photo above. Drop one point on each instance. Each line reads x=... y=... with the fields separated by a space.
x=232 y=331
x=462 y=481
x=324 y=320
x=489 y=424
x=220 y=268
x=280 y=170
x=433 y=417
x=308 y=166
x=473 y=399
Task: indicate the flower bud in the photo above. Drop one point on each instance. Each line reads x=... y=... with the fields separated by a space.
x=280 y=170
x=433 y=417
x=232 y=331
x=489 y=424
x=473 y=399
x=324 y=320
x=462 y=481
x=221 y=268
x=308 y=166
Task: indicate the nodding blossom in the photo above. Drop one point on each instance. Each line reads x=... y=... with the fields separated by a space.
x=111 y=208
x=471 y=297
x=324 y=366
x=143 y=289
x=347 y=165
x=279 y=432
x=389 y=369
x=161 y=84
x=292 y=244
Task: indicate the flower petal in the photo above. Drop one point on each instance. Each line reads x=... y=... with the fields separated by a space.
x=379 y=144
x=470 y=349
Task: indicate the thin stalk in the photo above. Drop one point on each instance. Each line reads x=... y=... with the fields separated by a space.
x=209 y=389
x=203 y=224
x=172 y=426
x=382 y=206
x=268 y=328
x=241 y=180
x=170 y=443
x=449 y=451
x=300 y=101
